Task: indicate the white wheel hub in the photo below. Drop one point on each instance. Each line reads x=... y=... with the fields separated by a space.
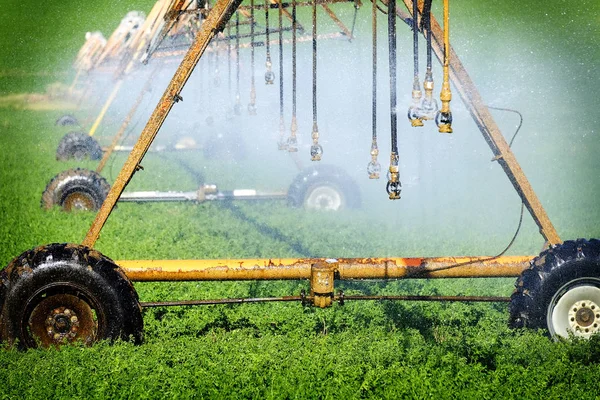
x=576 y=312
x=324 y=198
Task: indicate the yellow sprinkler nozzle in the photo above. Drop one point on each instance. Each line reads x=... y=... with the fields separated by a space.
x=374 y=168
x=292 y=142
x=316 y=150
x=394 y=187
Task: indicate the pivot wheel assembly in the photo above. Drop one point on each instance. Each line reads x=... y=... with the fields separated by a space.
x=325 y=187
x=76 y=190
x=78 y=145
x=67 y=120
x=560 y=291
x=61 y=293
x=575 y=309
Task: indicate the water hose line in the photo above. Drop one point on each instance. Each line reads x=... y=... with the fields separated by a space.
x=374 y=168
x=282 y=145
x=444 y=116
x=229 y=58
x=413 y=111
x=293 y=140
x=356 y=7
x=429 y=106
x=217 y=77
x=394 y=186
x=252 y=103
x=237 y=108
x=269 y=75
x=316 y=150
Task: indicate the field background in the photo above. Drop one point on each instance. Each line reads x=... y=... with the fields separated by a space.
x=539 y=60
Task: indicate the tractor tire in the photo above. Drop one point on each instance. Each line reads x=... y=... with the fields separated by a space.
x=67 y=120
x=324 y=187
x=76 y=190
x=560 y=291
x=78 y=145
x=65 y=293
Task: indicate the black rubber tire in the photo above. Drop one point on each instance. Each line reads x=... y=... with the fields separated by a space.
x=78 y=145
x=76 y=189
x=552 y=275
x=333 y=180
x=67 y=120
x=39 y=288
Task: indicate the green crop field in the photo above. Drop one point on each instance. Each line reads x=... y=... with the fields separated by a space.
x=538 y=58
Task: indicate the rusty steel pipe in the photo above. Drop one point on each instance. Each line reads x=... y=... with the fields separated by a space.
x=350 y=268
x=210 y=302
x=483 y=299
x=341 y=298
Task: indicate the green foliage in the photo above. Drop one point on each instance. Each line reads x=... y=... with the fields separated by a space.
x=283 y=350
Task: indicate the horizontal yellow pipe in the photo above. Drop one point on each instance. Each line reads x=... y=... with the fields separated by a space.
x=353 y=268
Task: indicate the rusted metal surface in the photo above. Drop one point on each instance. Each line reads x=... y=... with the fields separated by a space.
x=484 y=299
x=214 y=23
x=175 y=54
x=151 y=304
x=61 y=318
x=340 y=298
x=349 y=268
x=337 y=21
x=322 y=278
x=491 y=132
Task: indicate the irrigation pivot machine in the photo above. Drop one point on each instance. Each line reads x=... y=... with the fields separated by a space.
x=60 y=293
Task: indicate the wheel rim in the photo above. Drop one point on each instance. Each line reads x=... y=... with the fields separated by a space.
x=324 y=198
x=79 y=153
x=575 y=309
x=78 y=201
x=62 y=313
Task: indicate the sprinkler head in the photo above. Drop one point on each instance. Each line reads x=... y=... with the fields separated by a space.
x=414 y=117
x=269 y=77
x=393 y=189
x=428 y=108
x=292 y=144
x=282 y=145
x=373 y=169
x=316 y=151
x=237 y=108
x=444 y=121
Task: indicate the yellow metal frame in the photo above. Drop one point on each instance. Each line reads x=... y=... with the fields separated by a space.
x=322 y=272
x=344 y=268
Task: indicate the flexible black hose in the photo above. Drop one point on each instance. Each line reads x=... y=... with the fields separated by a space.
x=229 y=58
x=374 y=70
x=237 y=52
x=280 y=59
x=267 y=35
x=392 y=62
x=314 y=60
x=415 y=28
x=294 y=28
x=426 y=25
